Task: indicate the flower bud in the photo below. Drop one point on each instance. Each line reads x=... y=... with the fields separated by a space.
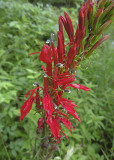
x=40 y=123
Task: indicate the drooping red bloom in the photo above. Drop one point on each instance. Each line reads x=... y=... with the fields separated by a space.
x=66 y=122
x=65 y=79
x=26 y=107
x=69 y=108
x=55 y=128
x=78 y=86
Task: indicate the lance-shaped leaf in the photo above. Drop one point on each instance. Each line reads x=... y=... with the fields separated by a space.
x=96 y=45
x=107 y=13
x=90 y=15
x=102 y=3
x=100 y=11
x=103 y=27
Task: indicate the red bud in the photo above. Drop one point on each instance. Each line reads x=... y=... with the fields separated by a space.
x=40 y=123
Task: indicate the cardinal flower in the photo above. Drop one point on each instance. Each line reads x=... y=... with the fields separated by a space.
x=61 y=61
x=26 y=107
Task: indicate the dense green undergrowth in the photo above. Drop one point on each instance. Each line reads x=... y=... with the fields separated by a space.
x=24 y=28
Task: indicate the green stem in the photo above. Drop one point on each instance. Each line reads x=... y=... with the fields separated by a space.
x=4 y=146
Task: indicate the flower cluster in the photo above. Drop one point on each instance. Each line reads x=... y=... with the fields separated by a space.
x=61 y=65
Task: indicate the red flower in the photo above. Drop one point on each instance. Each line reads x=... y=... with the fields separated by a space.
x=55 y=128
x=45 y=54
x=70 y=56
x=26 y=107
x=69 y=108
x=68 y=26
x=65 y=79
x=66 y=122
x=78 y=86
x=60 y=47
x=59 y=69
x=79 y=36
x=81 y=20
x=47 y=104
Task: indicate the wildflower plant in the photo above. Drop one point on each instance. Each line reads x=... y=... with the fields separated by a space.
x=61 y=63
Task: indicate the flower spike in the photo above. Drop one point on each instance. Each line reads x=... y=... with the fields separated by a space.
x=61 y=62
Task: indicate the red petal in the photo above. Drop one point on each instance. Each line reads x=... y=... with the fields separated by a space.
x=69 y=108
x=69 y=102
x=81 y=20
x=70 y=56
x=47 y=103
x=28 y=92
x=99 y=42
x=44 y=56
x=60 y=47
x=26 y=107
x=78 y=86
x=54 y=126
x=54 y=53
x=70 y=27
x=66 y=122
x=67 y=79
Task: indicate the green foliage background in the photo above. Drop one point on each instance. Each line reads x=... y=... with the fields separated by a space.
x=24 y=28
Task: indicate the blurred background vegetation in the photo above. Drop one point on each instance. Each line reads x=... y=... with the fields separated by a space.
x=24 y=28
